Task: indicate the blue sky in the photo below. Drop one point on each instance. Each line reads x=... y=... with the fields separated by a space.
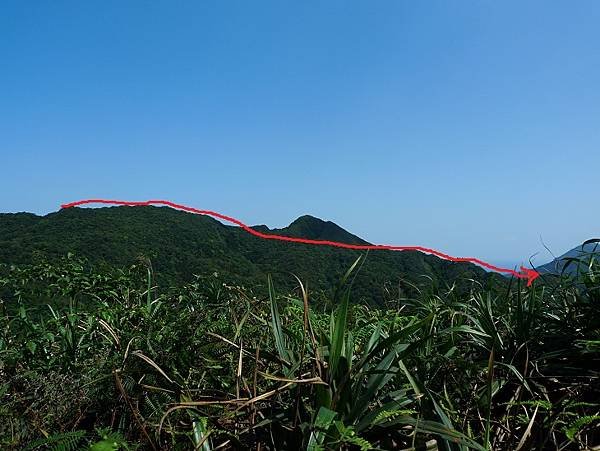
x=469 y=126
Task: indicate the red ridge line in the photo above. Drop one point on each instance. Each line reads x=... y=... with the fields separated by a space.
x=525 y=273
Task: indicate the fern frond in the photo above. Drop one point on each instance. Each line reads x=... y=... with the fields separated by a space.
x=63 y=441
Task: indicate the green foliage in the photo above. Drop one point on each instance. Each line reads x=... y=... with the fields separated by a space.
x=103 y=440
x=578 y=425
x=110 y=440
x=102 y=358
x=62 y=441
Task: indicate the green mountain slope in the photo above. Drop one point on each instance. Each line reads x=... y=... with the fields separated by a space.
x=180 y=245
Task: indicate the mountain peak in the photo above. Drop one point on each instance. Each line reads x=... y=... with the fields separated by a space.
x=308 y=220
x=311 y=227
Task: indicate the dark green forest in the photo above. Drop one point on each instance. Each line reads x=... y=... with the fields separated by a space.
x=181 y=245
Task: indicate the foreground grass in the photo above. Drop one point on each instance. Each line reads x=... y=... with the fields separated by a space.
x=104 y=360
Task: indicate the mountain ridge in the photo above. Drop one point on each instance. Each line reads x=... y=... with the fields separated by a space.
x=181 y=244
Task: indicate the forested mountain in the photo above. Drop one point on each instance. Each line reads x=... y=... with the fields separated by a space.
x=180 y=245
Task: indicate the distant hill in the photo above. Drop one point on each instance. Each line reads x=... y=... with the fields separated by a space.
x=180 y=245
x=566 y=263
x=316 y=229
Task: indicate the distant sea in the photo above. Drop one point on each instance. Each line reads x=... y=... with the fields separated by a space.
x=514 y=264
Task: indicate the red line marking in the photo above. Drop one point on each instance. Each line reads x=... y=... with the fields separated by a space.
x=525 y=273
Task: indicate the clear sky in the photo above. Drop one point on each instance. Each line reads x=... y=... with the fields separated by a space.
x=470 y=126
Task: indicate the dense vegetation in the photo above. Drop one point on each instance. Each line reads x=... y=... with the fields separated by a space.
x=101 y=357
x=181 y=244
